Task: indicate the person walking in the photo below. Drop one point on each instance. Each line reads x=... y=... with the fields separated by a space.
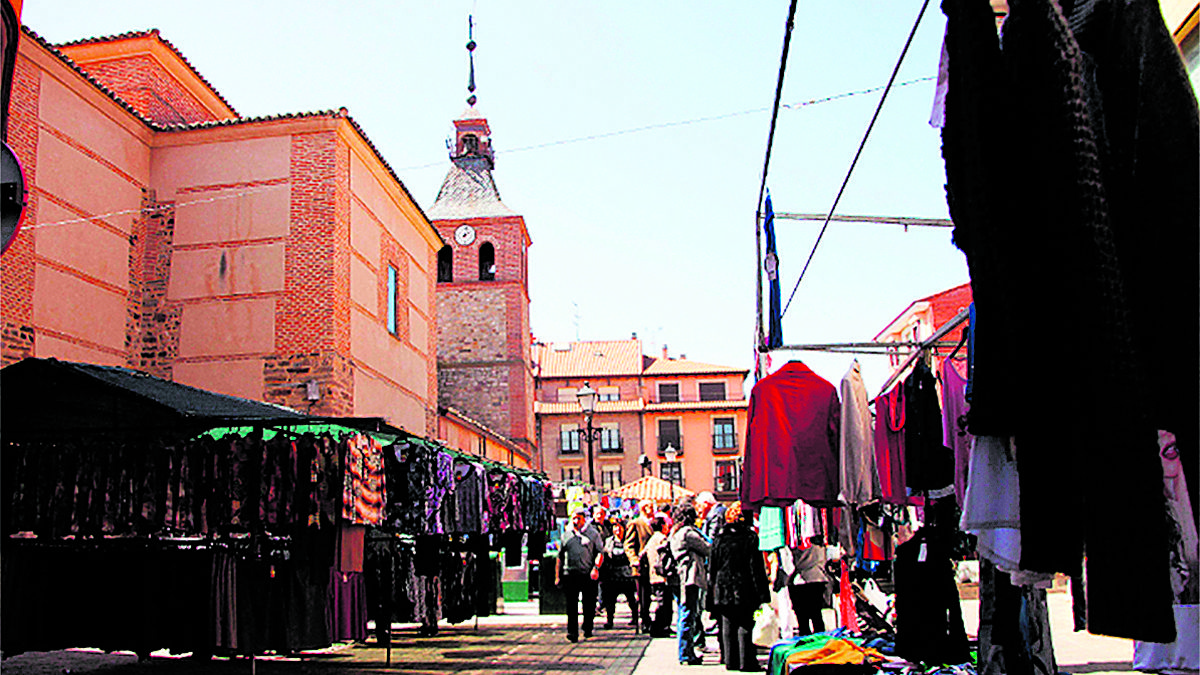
x=711 y=518
x=616 y=576
x=737 y=587
x=637 y=535
x=661 y=588
x=576 y=570
x=598 y=531
x=690 y=551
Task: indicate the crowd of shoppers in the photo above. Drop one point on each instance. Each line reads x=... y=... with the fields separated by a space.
x=697 y=562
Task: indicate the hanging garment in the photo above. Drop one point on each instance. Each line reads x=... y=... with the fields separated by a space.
x=363 y=488
x=1070 y=166
x=992 y=506
x=1185 y=548
x=792 y=439
x=856 y=443
x=771 y=264
x=928 y=464
x=1014 y=627
x=929 y=625
x=890 y=411
x=954 y=431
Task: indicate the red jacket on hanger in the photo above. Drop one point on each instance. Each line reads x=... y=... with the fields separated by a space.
x=792 y=439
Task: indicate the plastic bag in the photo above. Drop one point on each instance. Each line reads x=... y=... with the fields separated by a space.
x=766 y=626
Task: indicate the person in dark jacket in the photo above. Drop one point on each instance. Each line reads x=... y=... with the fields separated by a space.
x=737 y=586
x=616 y=576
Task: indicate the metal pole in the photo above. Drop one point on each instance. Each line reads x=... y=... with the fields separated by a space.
x=591 y=467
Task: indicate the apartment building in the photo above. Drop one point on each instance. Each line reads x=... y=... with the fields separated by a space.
x=681 y=420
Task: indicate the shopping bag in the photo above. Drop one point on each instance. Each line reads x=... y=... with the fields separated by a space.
x=766 y=626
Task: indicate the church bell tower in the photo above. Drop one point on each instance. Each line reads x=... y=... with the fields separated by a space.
x=483 y=359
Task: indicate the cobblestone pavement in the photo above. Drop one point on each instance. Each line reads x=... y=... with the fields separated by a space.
x=502 y=646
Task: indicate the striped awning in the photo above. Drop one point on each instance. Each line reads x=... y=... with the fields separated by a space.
x=651 y=487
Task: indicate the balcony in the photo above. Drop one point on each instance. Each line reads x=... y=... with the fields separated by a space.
x=674 y=442
x=568 y=450
x=613 y=450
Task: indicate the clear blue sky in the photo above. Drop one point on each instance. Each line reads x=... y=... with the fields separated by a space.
x=648 y=231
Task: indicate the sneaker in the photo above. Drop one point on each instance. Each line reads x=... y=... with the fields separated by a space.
x=572 y=638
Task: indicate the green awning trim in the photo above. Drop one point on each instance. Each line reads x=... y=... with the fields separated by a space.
x=336 y=430
x=385 y=439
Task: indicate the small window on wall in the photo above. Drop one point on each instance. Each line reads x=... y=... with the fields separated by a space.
x=668 y=393
x=572 y=473
x=487 y=262
x=446 y=264
x=712 y=391
x=724 y=433
x=567 y=395
x=609 y=394
x=672 y=472
x=610 y=478
x=726 y=475
x=610 y=438
x=568 y=436
x=392 y=300
x=668 y=434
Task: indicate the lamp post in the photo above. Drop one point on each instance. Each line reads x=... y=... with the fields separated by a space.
x=670 y=453
x=644 y=463
x=587 y=401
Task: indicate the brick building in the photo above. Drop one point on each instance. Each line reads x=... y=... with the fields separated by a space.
x=483 y=357
x=921 y=319
x=274 y=258
x=647 y=406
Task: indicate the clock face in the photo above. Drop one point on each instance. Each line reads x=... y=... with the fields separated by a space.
x=464 y=235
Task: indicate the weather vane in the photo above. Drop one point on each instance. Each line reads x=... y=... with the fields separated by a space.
x=471 y=51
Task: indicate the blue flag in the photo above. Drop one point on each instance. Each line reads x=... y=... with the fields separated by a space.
x=771 y=264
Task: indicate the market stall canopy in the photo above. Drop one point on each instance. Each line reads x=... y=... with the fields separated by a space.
x=651 y=487
x=48 y=397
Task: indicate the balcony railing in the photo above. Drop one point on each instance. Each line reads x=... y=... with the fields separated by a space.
x=568 y=450
x=655 y=398
x=612 y=450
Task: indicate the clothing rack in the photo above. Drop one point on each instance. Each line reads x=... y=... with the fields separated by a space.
x=876 y=348
x=924 y=346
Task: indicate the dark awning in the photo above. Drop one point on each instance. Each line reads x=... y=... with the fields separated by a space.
x=42 y=398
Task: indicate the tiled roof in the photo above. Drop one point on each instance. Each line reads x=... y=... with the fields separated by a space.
x=153 y=32
x=588 y=359
x=602 y=407
x=468 y=192
x=685 y=367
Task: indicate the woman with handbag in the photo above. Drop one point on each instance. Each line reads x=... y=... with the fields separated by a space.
x=737 y=587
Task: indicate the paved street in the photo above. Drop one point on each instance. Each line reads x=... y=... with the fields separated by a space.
x=521 y=642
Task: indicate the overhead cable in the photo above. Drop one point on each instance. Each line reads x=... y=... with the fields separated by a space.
x=861 y=145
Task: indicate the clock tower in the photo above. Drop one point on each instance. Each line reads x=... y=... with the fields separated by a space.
x=483 y=359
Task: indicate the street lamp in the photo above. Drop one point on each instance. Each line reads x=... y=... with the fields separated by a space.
x=587 y=401
x=644 y=462
x=670 y=453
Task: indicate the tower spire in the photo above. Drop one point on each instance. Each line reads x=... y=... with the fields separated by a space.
x=471 y=55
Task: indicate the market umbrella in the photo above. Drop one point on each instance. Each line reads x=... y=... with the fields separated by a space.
x=650 y=487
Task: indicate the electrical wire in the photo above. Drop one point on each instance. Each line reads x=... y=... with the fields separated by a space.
x=685 y=122
x=155 y=209
x=854 y=162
